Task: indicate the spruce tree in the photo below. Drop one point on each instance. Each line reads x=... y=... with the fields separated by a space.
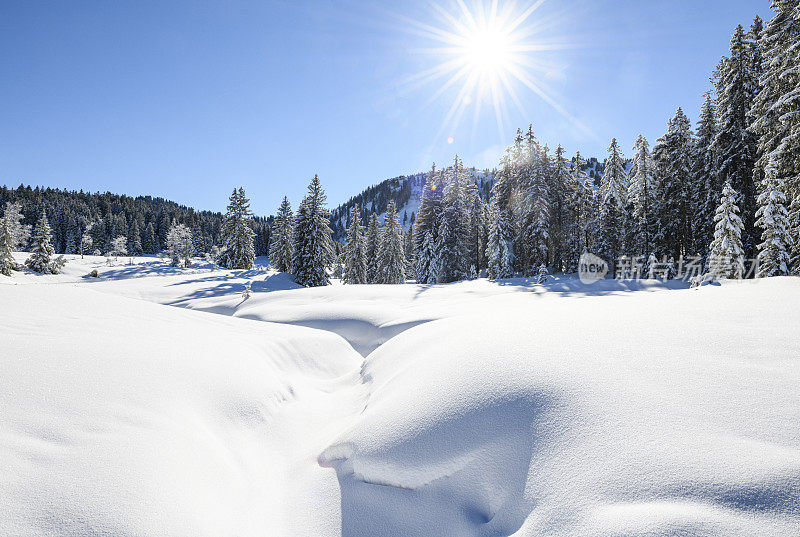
x=559 y=217
x=580 y=204
x=135 y=240
x=180 y=246
x=532 y=243
x=735 y=144
x=237 y=235
x=726 y=254
x=452 y=237
x=42 y=251
x=20 y=233
x=707 y=188
x=355 y=261
x=498 y=252
x=373 y=243
x=426 y=226
x=772 y=218
x=391 y=257
x=673 y=159
x=313 y=249
x=776 y=109
x=641 y=194
x=613 y=194
x=281 y=248
x=7 y=263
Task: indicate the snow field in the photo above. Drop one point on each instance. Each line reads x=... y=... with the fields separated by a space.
x=473 y=409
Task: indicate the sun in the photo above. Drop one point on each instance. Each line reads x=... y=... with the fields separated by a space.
x=486 y=54
x=489 y=52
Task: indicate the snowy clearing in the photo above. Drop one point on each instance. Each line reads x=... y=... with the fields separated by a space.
x=472 y=409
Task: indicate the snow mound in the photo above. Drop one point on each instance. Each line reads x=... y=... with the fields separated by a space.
x=665 y=414
x=121 y=417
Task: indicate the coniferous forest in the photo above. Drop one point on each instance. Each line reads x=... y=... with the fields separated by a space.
x=720 y=197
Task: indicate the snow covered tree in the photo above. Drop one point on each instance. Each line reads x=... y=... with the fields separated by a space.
x=673 y=160
x=542 y=274
x=613 y=193
x=7 y=263
x=391 y=257
x=237 y=236
x=533 y=175
x=706 y=179
x=498 y=254
x=42 y=251
x=559 y=209
x=180 y=246
x=134 y=240
x=426 y=227
x=281 y=248
x=773 y=218
x=20 y=233
x=355 y=261
x=734 y=144
x=118 y=247
x=373 y=243
x=580 y=203
x=313 y=245
x=452 y=237
x=641 y=195
x=776 y=109
x=726 y=257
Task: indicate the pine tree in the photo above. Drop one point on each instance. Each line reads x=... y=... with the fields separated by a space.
x=706 y=183
x=7 y=263
x=641 y=194
x=726 y=257
x=734 y=144
x=281 y=248
x=237 y=235
x=42 y=251
x=391 y=257
x=373 y=243
x=313 y=245
x=772 y=218
x=355 y=261
x=613 y=194
x=180 y=245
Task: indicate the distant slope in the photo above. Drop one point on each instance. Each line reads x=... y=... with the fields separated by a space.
x=406 y=190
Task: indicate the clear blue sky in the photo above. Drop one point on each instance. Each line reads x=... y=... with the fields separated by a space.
x=186 y=99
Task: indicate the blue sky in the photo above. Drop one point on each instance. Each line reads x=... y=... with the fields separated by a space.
x=186 y=100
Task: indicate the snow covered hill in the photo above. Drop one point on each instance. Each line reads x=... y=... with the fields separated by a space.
x=159 y=401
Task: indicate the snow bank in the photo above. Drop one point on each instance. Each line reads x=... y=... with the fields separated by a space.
x=664 y=414
x=120 y=417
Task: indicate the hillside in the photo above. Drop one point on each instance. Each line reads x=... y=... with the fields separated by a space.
x=406 y=190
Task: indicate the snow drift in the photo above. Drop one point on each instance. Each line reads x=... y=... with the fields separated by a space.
x=473 y=409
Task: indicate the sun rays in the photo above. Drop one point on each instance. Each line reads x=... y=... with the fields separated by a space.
x=486 y=54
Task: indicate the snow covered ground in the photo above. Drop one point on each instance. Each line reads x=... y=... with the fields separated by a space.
x=473 y=409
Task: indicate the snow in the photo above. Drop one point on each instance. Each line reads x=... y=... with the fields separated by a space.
x=157 y=401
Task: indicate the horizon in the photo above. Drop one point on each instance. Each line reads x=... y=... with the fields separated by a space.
x=184 y=103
